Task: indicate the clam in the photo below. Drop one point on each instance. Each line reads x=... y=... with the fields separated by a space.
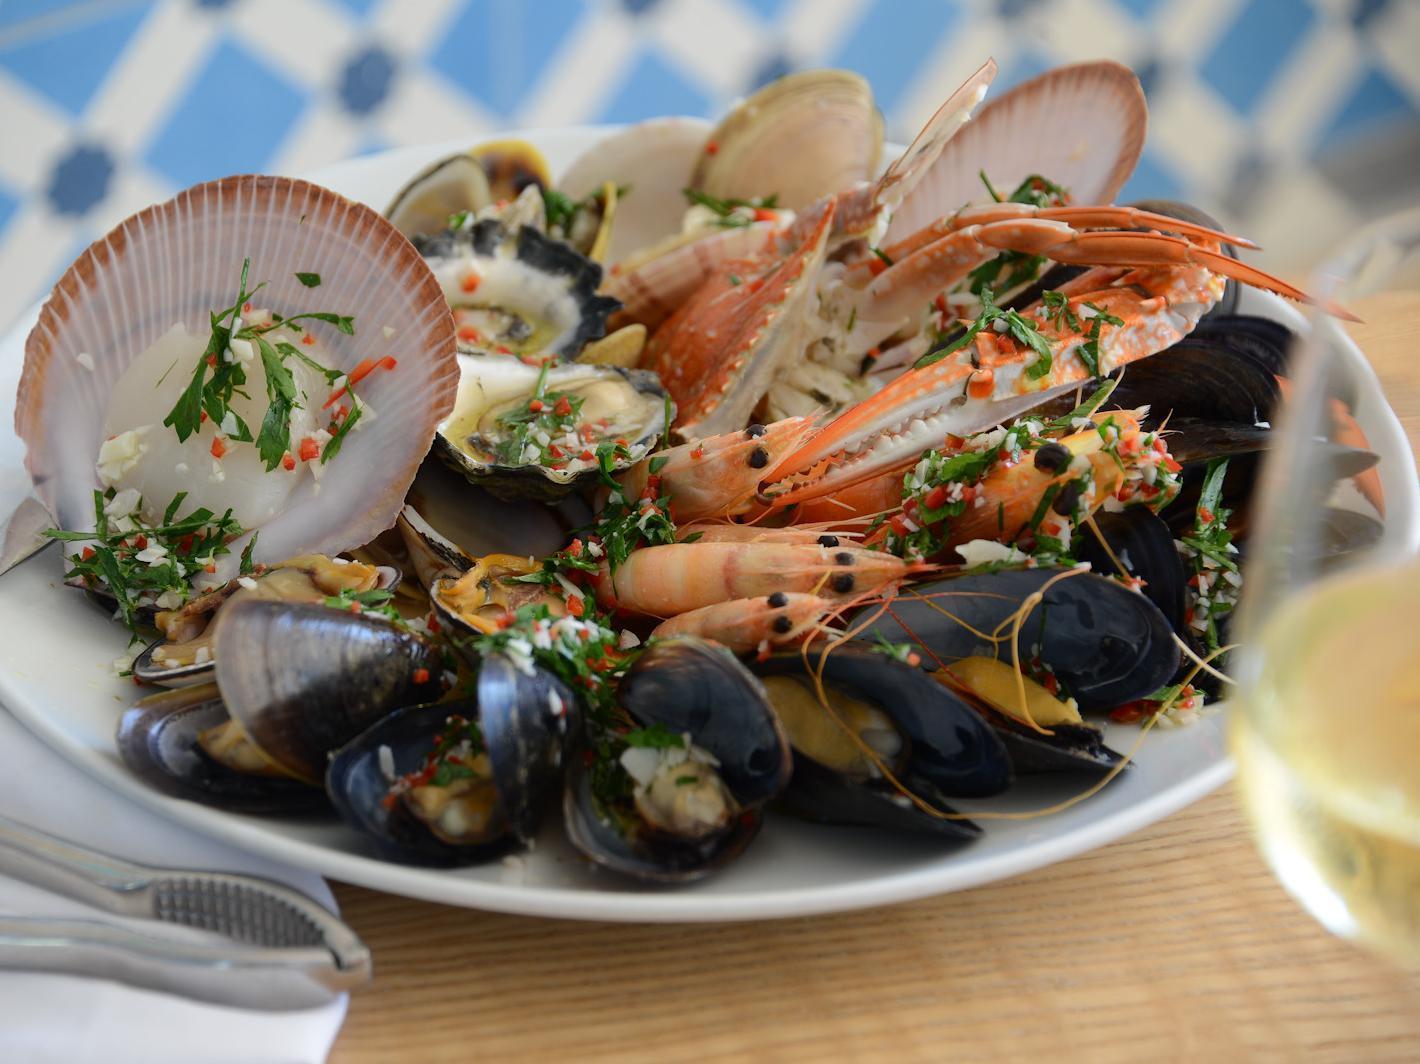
x=517 y=290
x=184 y=655
x=463 y=781
x=293 y=682
x=96 y=388
x=650 y=162
x=683 y=793
x=495 y=437
x=801 y=137
x=1081 y=126
x=454 y=184
x=934 y=744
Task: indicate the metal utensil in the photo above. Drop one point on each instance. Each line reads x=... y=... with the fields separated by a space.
x=20 y=536
x=285 y=950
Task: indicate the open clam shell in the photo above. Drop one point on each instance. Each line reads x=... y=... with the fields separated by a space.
x=799 y=138
x=180 y=260
x=454 y=183
x=652 y=161
x=1082 y=126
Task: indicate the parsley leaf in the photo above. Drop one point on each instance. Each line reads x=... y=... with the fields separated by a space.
x=310 y=280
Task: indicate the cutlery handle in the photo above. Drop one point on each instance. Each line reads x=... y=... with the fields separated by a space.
x=252 y=978
x=85 y=875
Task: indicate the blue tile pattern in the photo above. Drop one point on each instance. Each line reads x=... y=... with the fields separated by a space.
x=495 y=52
x=232 y=118
x=1254 y=48
x=69 y=65
x=233 y=99
x=80 y=180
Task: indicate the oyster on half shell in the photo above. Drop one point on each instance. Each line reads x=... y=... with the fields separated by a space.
x=498 y=441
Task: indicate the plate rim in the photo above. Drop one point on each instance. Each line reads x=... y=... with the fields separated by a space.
x=933 y=877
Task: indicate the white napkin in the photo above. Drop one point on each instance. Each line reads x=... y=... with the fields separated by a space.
x=67 y=1020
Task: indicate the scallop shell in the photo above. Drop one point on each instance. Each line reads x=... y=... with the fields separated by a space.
x=801 y=137
x=652 y=161
x=176 y=262
x=1081 y=126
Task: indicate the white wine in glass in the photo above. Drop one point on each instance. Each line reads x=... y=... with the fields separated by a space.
x=1326 y=719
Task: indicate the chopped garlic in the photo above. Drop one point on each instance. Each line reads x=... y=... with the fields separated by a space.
x=85 y=360
x=121 y=453
x=988 y=551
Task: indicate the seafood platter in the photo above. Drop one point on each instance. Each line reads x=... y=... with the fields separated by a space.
x=682 y=521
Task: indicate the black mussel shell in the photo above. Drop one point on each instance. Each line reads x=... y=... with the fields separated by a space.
x=1193 y=441
x=818 y=793
x=1344 y=532
x=529 y=722
x=1199 y=378
x=950 y=747
x=690 y=685
x=104 y=600
x=1140 y=539
x=1107 y=644
x=357 y=787
x=656 y=860
x=1186 y=212
x=303 y=680
x=1069 y=748
x=1262 y=341
x=157 y=740
x=687 y=685
x=526 y=721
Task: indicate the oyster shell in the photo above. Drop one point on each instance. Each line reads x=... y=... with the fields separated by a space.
x=517 y=290
x=492 y=439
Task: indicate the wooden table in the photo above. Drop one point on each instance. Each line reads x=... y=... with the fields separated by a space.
x=1175 y=943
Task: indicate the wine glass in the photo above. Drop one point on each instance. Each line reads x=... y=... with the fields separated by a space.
x=1326 y=729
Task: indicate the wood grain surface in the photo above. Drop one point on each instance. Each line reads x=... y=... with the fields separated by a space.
x=1173 y=944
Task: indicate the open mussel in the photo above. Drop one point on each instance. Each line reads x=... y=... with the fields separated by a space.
x=881 y=714
x=294 y=681
x=520 y=430
x=515 y=290
x=1066 y=640
x=681 y=793
x=185 y=655
x=459 y=782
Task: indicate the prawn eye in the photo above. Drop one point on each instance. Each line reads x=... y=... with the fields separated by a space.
x=1052 y=458
x=778 y=599
x=828 y=541
x=782 y=624
x=758 y=458
x=754 y=432
x=842 y=557
x=842 y=583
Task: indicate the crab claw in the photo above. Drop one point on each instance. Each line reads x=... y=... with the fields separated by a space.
x=719 y=352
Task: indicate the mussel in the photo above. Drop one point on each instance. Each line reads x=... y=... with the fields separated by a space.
x=459 y=782
x=294 y=681
x=184 y=656
x=935 y=745
x=520 y=430
x=515 y=290
x=683 y=793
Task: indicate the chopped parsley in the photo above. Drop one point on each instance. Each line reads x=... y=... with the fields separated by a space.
x=656 y=736
x=1209 y=555
x=1011 y=269
x=138 y=562
x=732 y=213
x=543 y=419
x=376 y=600
x=211 y=393
x=1022 y=329
x=451 y=759
x=1036 y=190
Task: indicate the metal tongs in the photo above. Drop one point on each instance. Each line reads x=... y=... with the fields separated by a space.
x=286 y=951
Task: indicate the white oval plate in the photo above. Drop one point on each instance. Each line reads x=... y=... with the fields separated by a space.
x=55 y=676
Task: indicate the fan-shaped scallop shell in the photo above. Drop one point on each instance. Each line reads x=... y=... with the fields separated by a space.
x=179 y=261
x=1082 y=126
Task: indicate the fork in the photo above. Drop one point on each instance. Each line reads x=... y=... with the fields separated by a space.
x=284 y=952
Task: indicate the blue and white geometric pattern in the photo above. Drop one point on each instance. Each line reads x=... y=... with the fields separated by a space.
x=1291 y=119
